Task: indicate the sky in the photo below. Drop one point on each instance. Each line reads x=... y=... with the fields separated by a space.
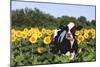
x=58 y=10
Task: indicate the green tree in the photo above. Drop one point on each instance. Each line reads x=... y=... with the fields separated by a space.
x=82 y=19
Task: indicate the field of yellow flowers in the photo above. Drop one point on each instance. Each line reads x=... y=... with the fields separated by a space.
x=31 y=46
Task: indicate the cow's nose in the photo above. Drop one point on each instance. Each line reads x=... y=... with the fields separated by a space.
x=68 y=34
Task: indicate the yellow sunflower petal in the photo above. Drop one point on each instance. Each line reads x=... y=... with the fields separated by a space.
x=47 y=40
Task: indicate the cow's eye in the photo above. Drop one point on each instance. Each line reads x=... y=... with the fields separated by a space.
x=72 y=30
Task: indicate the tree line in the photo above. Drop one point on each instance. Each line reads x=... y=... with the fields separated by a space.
x=36 y=18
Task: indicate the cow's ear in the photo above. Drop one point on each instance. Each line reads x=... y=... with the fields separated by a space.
x=78 y=27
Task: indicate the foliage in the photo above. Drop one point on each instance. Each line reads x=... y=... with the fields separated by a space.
x=32 y=38
x=22 y=18
x=32 y=46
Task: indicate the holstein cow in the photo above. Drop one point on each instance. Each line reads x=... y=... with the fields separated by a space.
x=65 y=42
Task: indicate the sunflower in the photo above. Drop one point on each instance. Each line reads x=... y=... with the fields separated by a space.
x=92 y=30
x=49 y=32
x=31 y=30
x=13 y=38
x=86 y=35
x=47 y=40
x=92 y=33
x=39 y=34
x=77 y=33
x=40 y=50
x=43 y=30
x=25 y=30
x=80 y=39
x=33 y=38
x=24 y=34
x=29 y=33
x=92 y=36
x=13 y=32
x=18 y=33
x=86 y=31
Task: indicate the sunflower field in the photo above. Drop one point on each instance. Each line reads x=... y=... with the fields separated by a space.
x=31 y=46
x=32 y=38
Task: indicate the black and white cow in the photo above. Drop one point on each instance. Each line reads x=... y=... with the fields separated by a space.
x=65 y=41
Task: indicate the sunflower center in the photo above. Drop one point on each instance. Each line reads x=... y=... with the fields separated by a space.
x=47 y=40
x=80 y=38
x=18 y=33
x=33 y=39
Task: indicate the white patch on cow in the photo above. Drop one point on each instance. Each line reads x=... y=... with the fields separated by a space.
x=68 y=53
x=55 y=32
x=72 y=55
x=71 y=25
x=72 y=41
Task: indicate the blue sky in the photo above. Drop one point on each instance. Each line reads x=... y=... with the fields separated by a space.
x=58 y=10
